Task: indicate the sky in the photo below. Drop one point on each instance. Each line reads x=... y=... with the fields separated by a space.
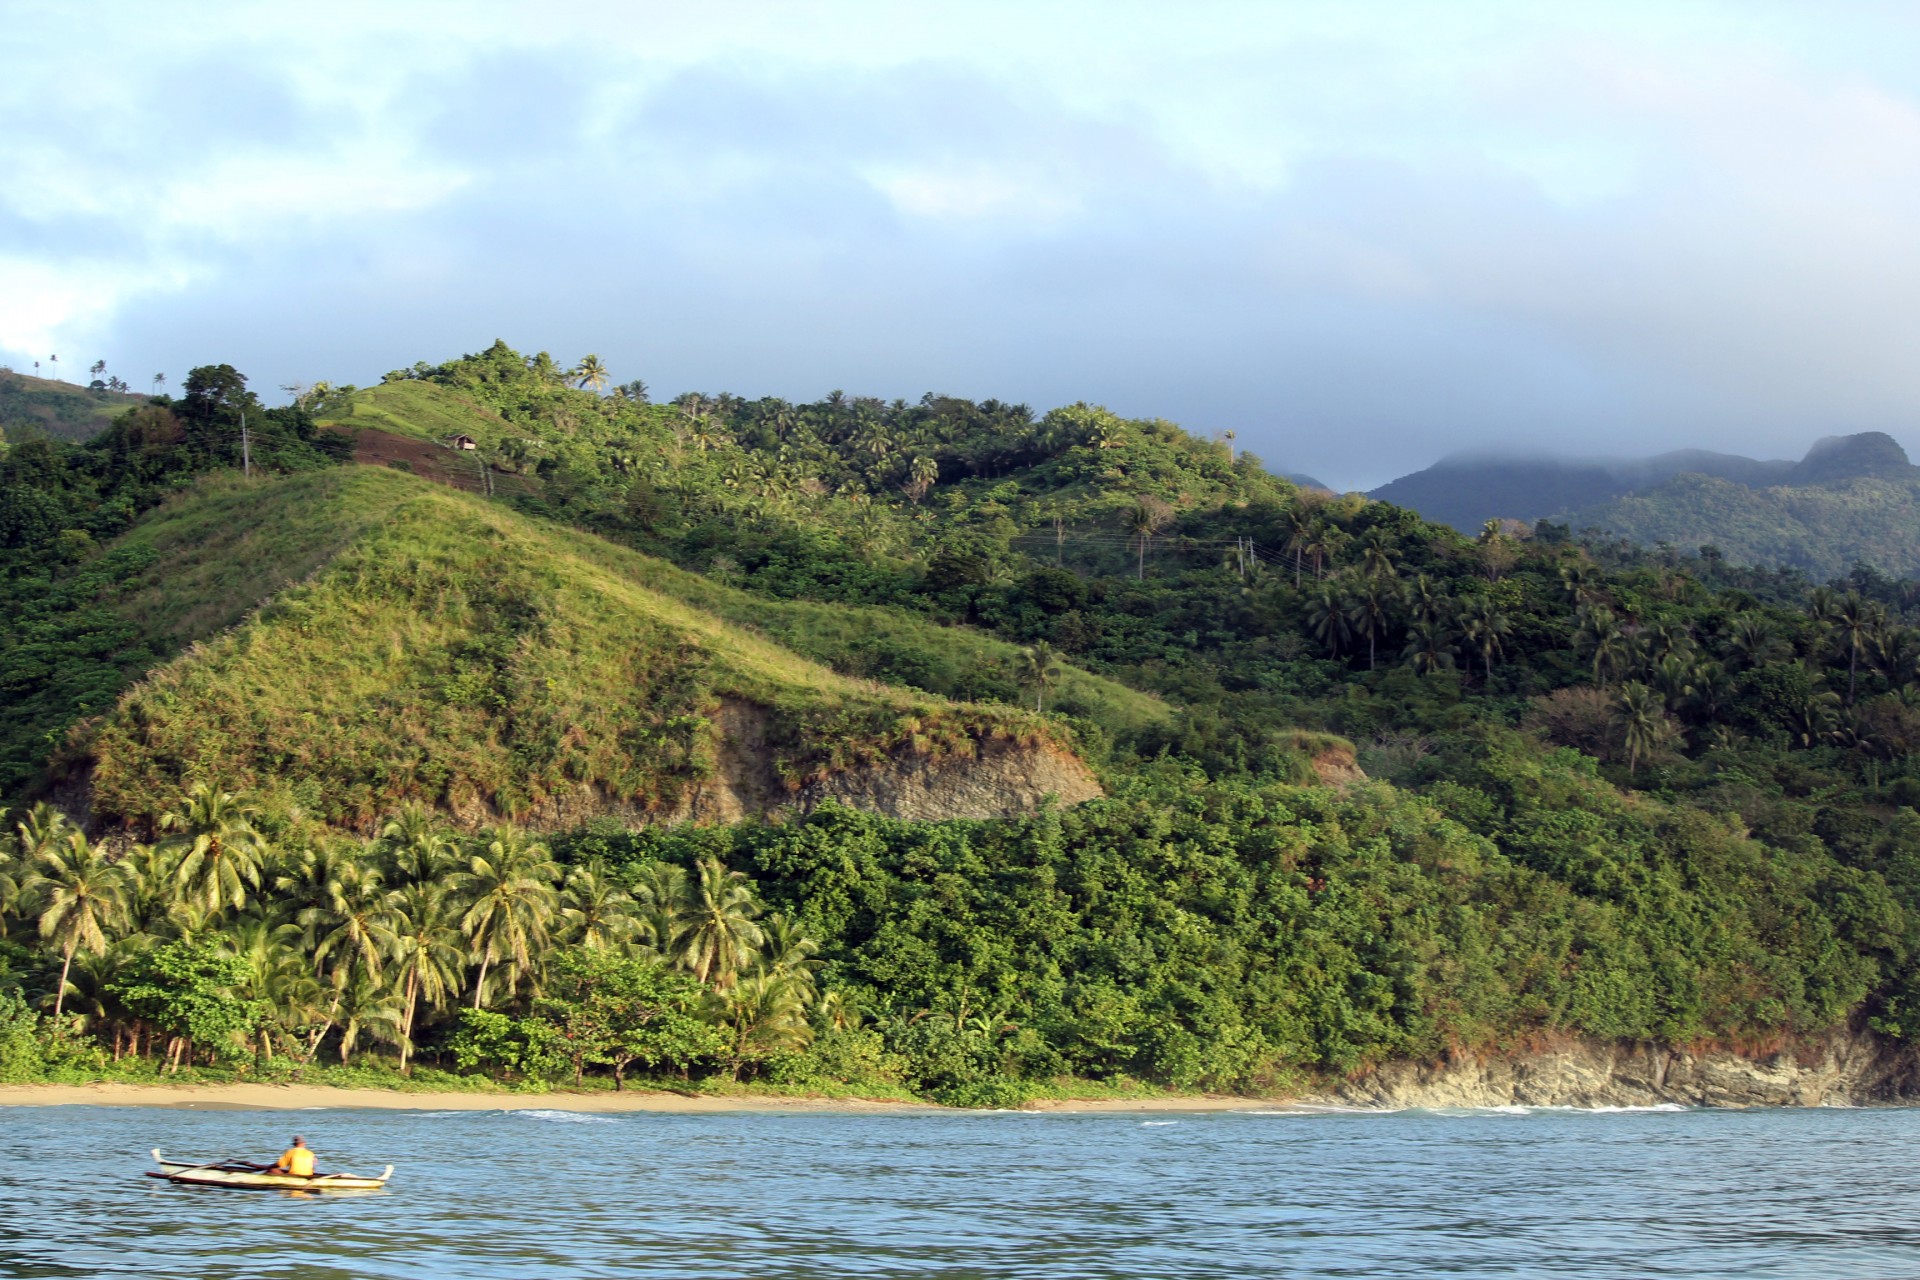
x=1360 y=236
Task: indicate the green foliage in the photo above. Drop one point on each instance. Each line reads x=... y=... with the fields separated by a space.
x=193 y=990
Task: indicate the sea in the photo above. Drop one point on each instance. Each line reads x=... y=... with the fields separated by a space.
x=548 y=1194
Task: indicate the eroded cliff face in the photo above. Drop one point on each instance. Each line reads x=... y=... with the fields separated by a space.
x=999 y=779
x=1845 y=1067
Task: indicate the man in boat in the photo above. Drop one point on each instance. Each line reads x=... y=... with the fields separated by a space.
x=296 y=1160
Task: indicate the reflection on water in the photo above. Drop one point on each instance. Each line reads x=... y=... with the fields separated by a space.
x=551 y=1194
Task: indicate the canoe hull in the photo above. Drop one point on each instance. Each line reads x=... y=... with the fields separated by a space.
x=222 y=1174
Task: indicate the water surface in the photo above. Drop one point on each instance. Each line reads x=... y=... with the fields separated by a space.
x=550 y=1194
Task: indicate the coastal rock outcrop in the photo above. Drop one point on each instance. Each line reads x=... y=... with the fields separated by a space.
x=1843 y=1067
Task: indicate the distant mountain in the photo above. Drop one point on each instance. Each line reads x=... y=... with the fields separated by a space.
x=1305 y=481
x=58 y=408
x=1467 y=490
x=1851 y=498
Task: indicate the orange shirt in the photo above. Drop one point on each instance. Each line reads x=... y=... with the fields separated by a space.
x=298 y=1161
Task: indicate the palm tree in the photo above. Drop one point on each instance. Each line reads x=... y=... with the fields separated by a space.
x=1299 y=533
x=418 y=844
x=663 y=895
x=597 y=911
x=1370 y=610
x=1485 y=628
x=720 y=935
x=509 y=887
x=83 y=896
x=590 y=373
x=426 y=953
x=1427 y=600
x=1039 y=668
x=353 y=928
x=1855 y=620
x=1147 y=517
x=1328 y=619
x=1642 y=719
x=1751 y=641
x=1600 y=635
x=1429 y=647
x=1376 y=554
x=219 y=854
x=921 y=477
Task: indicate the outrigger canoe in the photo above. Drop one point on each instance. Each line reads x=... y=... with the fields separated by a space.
x=239 y=1173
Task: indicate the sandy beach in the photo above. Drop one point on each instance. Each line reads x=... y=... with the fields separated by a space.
x=282 y=1097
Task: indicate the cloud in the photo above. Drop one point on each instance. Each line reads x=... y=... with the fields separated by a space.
x=1361 y=238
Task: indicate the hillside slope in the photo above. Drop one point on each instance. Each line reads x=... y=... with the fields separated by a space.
x=60 y=409
x=435 y=647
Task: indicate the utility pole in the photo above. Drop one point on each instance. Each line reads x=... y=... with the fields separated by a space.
x=246 y=447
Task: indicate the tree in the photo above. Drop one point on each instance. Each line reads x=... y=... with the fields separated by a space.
x=1485 y=628
x=509 y=886
x=618 y=1010
x=217 y=853
x=425 y=953
x=1039 y=668
x=195 y=991
x=1147 y=517
x=1370 y=610
x=720 y=935
x=1429 y=647
x=597 y=912
x=1856 y=620
x=590 y=373
x=83 y=896
x=1328 y=619
x=1641 y=716
x=921 y=477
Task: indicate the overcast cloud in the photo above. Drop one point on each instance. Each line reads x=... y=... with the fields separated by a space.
x=1362 y=236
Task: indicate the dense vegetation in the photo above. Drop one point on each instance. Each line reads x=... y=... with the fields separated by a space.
x=1613 y=791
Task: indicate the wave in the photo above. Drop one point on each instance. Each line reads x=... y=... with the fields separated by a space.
x=561 y=1117
x=1154 y=1124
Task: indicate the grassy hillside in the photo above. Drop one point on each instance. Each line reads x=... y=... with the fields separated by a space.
x=61 y=409
x=419 y=644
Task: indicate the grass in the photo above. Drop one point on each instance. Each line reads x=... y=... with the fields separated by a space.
x=416 y=643
x=422 y=411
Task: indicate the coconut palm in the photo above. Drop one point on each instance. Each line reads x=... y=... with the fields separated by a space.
x=921 y=477
x=1856 y=620
x=1641 y=716
x=426 y=955
x=1485 y=630
x=508 y=886
x=1039 y=669
x=1752 y=641
x=352 y=928
x=663 y=898
x=720 y=935
x=218 y=853
x=1370 y=609
x=1146 y=517
x=1429 y=648
x=1327 y=618
x=596 y=912
x=418 y=845
x=590 y=373
x=82 y=895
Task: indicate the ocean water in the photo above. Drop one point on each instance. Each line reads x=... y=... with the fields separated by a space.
x=548 y=1194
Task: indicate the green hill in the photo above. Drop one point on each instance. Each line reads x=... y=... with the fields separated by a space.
x=1822 y=529
x=415 y=644
x=61 y=409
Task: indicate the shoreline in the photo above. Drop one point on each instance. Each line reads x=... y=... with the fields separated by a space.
x=307 y=1097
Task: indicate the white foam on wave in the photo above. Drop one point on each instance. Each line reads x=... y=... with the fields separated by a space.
x=1154 y=1124
x=562 y=1117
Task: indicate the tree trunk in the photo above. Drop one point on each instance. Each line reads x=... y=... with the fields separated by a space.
x=480 y=983
x=60 y=996
x=406 y=1026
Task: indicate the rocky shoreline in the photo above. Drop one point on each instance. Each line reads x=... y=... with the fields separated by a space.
x=1844 y=1067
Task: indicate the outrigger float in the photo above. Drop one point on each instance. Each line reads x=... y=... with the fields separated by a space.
x=229 y=1172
